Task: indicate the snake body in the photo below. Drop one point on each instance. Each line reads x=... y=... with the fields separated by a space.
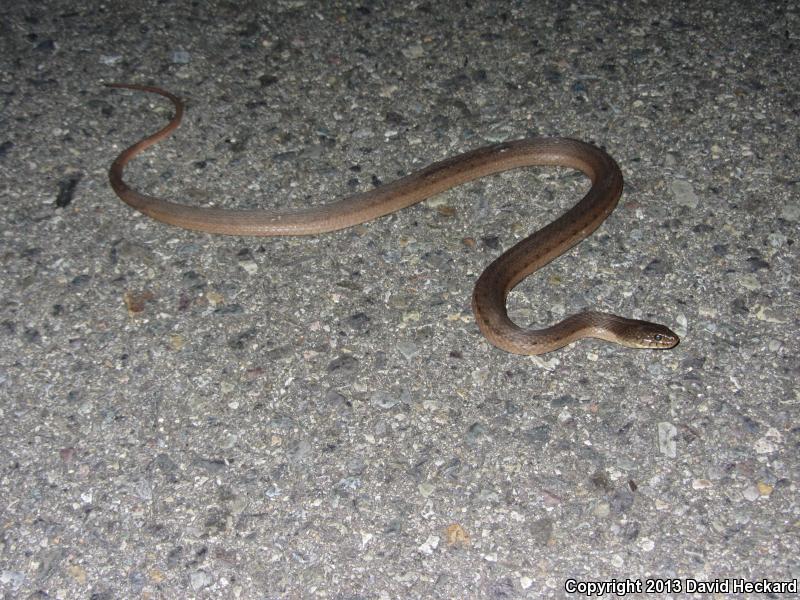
x=496 y=281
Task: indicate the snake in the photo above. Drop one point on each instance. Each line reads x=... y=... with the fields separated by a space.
x=495 y=282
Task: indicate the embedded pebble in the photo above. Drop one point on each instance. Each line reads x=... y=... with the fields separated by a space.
x=110 y=59
x=426 y=489
x=13 y=579
x=180 y=57
x=751 y=493
x=414 y=51
x=200 y=579
x=667 y=436
x=765 y=446
x=383 y=399
x=250 y=266
x=408 y=349
x=683 y=193
x=429 y=545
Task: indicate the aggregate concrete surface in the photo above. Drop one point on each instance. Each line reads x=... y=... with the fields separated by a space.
x=186 y=415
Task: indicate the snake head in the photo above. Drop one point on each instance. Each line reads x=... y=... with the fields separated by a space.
x=643 y=334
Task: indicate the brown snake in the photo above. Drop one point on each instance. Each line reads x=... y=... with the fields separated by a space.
x=499 y=278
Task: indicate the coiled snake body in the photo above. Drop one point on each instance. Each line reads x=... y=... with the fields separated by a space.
x=496 y=281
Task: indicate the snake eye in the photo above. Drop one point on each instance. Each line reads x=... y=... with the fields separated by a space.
x=658 y=337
